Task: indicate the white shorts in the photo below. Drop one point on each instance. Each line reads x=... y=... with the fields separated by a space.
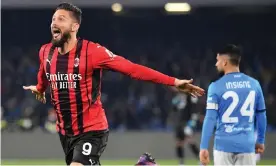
x=226 y=158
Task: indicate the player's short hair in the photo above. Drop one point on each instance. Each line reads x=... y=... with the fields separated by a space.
x=234 y=53
x=76 y=12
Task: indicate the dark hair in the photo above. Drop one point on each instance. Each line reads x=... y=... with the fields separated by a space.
x=234 y=52
x=76 y=12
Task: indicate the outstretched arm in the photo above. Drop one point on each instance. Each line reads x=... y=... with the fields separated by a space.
x=106 y=59
x=103 y=58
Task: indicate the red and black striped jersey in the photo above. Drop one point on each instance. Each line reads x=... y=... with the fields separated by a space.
x=75 y=83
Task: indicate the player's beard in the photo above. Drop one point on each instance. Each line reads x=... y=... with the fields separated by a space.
x=220 y=73
x=60 y=42
x=217 y=76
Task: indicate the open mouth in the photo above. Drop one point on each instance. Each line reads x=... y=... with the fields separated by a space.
x=56 y=33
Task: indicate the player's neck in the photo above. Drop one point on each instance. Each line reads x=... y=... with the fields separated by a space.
x=232 y=70
x=68 y=46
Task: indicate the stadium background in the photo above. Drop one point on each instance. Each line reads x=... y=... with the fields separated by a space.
x=179 y=44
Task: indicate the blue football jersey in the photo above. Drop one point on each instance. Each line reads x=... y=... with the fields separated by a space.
x=236 y=97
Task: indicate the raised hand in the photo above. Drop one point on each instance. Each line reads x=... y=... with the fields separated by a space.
x=39 y=96
x=186 y=86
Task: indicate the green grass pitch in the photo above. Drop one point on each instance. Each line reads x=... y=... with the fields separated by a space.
x=110 y=162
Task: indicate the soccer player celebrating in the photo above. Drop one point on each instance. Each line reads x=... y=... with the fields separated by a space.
x=233 y=102
x=72 y=67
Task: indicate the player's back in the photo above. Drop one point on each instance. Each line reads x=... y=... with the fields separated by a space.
x=237 y=99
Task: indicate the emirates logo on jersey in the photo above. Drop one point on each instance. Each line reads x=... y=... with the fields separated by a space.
x=63 y=77
x=76 y=62
x=63 y=81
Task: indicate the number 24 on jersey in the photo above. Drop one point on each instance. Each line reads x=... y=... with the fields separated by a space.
x=247 y=108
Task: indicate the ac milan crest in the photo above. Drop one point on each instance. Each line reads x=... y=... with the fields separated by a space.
x=76 y=62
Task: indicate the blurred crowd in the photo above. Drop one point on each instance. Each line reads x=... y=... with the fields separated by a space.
x=180 y=46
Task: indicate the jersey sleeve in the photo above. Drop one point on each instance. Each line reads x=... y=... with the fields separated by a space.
x=260 y=105
x=211 y=116
x=212 y=98
x=103 y=58
x=42 y=82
